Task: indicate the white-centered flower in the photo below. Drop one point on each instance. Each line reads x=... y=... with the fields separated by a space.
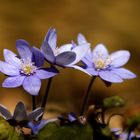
x=98 y=62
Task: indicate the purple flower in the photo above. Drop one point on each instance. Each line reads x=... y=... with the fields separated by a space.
x=107 y=66
x=20 y=116
x=64 y=56
x=25 y=70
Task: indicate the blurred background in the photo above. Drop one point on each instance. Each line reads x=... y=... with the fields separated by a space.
x=113 y=23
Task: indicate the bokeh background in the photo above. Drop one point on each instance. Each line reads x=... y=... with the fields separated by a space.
x=113 y=23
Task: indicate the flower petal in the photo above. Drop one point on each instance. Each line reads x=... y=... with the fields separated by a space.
x=51 y=38
x=65 y=58
x=92 y=71
x=87 y=59
x=20 y=112
x=65 y=48
x=8 y=69
x=47 y=52
x=36 y=127
x=72 y=117
x=80 y=68
x=11 y=58
x=38 y=57
x=124 y=73
x=100 y=51
x=87 y=62
x=23 y=49
x=110 y=77
x=32 y=84
x=35 y=114
x=12 y=82
x=81 y=39
x=80 y=51
x=46 y=73
x=5 y=112
x=119 y=58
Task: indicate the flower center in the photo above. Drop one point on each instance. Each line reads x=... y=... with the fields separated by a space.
x=101 y=63
x=28 y=68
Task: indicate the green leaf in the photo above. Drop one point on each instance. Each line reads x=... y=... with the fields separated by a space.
x=5 y=129
x=53 y=131
x=47 y=131
x=7 y=132
x=114 y=101
x=13 y=135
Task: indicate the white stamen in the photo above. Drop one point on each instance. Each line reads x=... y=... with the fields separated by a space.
x=27 y=67
x=102 y=63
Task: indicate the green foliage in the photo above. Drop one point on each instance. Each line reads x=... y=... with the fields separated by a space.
x=51 y=131
x=106 y=131
x=69 y=132
x=114 y=101
x=7 y=132
x=135 y=120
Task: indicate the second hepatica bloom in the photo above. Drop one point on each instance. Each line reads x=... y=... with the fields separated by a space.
x=64 y=56
x=25 y=70
x=107 y=66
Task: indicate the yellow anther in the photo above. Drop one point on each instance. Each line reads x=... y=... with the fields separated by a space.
x=100 y=63
x=28 y=68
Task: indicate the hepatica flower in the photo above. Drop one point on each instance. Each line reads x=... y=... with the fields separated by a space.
x=25 y=70
x=64 y=56
x=20 y=116
x=107 y=66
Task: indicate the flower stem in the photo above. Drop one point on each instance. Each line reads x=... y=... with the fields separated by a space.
x=87 y=95
x=46 y=93
x=33 y=103
x=46 y=96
